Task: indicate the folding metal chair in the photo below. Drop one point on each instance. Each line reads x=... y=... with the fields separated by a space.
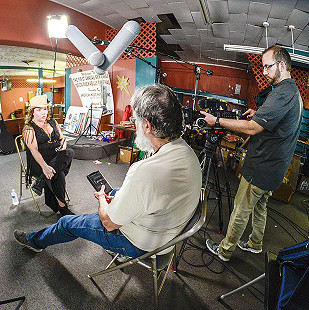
x=272 y=282
x=153 y=260
x=20 y=146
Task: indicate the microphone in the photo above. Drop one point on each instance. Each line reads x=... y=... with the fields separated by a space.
x=97 y=41
x=83 y=44
x=129 y=31
x=103 y=61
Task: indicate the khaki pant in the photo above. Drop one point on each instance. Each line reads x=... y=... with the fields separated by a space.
x=249 y=200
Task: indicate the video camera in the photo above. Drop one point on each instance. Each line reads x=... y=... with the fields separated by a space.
x=213 y=106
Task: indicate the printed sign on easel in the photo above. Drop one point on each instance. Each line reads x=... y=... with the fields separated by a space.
x=94 y=90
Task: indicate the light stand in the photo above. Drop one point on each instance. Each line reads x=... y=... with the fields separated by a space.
x=57 y=25
x=53 y=87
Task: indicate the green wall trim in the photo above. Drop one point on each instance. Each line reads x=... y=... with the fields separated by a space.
x=67 y=90
x=145 y=74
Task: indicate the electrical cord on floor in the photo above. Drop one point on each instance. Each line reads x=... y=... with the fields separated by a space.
x=207 y=263
x=301 y=231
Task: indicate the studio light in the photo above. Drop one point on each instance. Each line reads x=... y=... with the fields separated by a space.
x=57 y=24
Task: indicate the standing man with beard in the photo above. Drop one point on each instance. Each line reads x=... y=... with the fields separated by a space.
x=274 y=130
x=158 y=196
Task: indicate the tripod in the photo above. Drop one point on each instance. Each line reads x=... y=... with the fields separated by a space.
x=208 y=159
x=88 y=128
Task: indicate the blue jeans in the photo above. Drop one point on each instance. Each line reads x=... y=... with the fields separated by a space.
x=86 y=226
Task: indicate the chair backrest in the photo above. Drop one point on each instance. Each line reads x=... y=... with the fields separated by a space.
x=20 y=146
x=194 y=225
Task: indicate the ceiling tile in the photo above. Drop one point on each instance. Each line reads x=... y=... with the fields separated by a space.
x=220 y=30
x=194 y=5
x=258 y=13
x=188 y=28
x=282 y=9
x=237 y=35
x=148 y=14
x=254 y=33
x=237 y=22
x=124 y=10
x=286 y=36
x=303 y=38
x=136 y=4
x=169 y=39
x=181 y=12
x=302 y=5
x=193 y=40
x=199 y=20
x=299 y=19
x=238 y=6
x=177 y=33
x=271 y=41
x=218 y=11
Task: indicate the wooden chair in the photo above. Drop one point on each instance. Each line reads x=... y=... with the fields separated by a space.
x=155 y=262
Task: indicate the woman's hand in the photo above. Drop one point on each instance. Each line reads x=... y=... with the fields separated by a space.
x=48 y=171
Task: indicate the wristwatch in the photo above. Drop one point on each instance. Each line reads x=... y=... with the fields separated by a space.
x=217 y=123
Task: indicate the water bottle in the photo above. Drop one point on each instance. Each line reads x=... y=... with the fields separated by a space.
x=14 y=197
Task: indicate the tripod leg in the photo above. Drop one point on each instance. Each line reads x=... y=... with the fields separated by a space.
x=218 y=192
x=227 y=183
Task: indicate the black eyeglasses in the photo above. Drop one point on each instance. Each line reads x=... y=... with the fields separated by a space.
x=266 y=67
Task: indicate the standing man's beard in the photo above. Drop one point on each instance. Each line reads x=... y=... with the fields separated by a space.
x=275 y=80
x=141 y=141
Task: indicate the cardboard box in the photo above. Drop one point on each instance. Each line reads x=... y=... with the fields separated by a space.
x=284 y=193
x=125 y=153
x=287 y=188
x=238 y=171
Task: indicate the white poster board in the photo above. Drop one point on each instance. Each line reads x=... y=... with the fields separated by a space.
x=94 y=89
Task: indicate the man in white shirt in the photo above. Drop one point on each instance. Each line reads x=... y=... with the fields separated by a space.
x=158 y=196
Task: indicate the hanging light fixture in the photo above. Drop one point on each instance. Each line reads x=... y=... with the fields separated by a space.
x=266 y=25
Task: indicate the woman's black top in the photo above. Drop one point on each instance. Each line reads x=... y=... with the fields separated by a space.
x=46 y=146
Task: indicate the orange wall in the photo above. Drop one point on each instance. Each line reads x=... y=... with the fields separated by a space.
x=10 y=99
x=121 y=68
x=24 y=23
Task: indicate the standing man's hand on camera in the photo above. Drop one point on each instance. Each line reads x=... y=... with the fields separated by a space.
x=249 y=113
x=209 y=118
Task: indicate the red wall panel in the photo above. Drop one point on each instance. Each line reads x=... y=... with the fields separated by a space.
x=222 y=82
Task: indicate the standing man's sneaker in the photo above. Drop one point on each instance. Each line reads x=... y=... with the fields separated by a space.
x=245 y=247
x=214 y=248
x=22 y=238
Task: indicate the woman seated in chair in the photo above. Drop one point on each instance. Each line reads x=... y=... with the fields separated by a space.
x=47 y=155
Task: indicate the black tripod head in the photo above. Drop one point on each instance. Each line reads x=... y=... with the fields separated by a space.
x=213 y=139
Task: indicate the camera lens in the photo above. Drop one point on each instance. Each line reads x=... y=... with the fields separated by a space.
x=201 y=123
